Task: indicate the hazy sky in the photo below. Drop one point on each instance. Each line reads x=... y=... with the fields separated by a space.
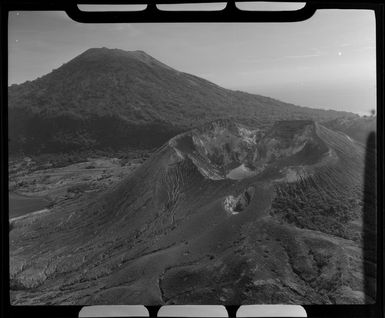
x=327 y=61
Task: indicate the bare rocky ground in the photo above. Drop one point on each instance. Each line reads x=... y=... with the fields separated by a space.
x=60 y=183
x=163 y=234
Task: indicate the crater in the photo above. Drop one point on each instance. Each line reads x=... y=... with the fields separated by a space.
x=235 y=204
x=224 y=149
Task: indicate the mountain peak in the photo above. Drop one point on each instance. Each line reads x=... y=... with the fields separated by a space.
x=117 y=54
x=104 y=51
x=139 y=100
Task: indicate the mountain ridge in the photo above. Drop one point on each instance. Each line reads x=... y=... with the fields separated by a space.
x=141 y=102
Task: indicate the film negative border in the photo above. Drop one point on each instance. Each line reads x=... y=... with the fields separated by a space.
x=152 y=14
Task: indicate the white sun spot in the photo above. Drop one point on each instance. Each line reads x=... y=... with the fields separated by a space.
x=17 y=40
x=17 y=13
x=339 y=53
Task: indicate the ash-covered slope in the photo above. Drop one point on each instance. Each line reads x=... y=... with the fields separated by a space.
x=183 y=229
x=110 y=98
x=357 y=128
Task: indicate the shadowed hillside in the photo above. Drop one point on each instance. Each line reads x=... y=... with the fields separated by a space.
x=111 y=99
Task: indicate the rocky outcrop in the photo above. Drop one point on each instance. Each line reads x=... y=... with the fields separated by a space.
x=234 y=205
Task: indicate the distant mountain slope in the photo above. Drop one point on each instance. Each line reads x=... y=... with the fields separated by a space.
x=109 y=98
x=288 y=231
x=357 y=128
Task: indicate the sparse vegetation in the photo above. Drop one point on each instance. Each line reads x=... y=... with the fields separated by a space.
x=307 y=207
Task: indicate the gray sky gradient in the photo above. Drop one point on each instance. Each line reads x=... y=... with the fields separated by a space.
x=327 y=61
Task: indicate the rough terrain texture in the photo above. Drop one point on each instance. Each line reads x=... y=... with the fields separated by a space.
x=169 y=233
